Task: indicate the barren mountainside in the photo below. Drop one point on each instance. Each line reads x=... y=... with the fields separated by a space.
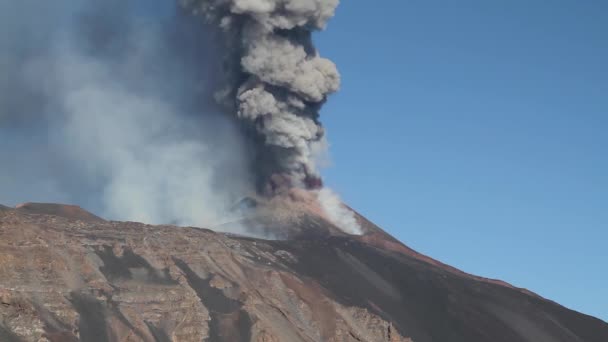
x=67 y=275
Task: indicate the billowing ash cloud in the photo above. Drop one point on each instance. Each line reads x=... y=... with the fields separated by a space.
x=140 y=110
x=278 y=81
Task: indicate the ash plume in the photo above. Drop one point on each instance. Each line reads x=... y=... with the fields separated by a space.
x=276 y=84
x=162 y=112
x=277 y=80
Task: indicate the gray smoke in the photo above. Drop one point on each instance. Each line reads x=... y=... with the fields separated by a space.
x=140 y=110
x=277 y=80
x=276 y=84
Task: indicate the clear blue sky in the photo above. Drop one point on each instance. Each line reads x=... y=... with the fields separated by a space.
x=476 y=132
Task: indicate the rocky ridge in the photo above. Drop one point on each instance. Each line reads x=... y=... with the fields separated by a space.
x=67 y=275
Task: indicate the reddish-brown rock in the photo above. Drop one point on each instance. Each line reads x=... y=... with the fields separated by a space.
x=66 y=275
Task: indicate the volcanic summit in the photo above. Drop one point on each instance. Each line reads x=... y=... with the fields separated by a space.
x=67 y=275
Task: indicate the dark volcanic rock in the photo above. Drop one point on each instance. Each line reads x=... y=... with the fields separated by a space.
x=7 y=336
x=66 y=275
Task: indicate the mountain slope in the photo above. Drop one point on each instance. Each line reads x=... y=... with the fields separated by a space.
x=66 y=275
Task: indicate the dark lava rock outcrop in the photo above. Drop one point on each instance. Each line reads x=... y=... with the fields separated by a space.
x=67 y=275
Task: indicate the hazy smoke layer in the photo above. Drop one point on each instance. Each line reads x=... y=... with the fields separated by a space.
x=115 y=97
x=140 y=110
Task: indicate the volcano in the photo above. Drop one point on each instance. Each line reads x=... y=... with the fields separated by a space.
x=68 y=275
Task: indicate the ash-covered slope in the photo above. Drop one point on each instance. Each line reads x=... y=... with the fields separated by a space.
x=66 y=276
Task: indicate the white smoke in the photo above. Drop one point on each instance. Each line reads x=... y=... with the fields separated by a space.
x=121 y=102
x=158 y=170
x=341 y=216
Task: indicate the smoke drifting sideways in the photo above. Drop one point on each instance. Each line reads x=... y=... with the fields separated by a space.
x=115 y=106
x=114 y=97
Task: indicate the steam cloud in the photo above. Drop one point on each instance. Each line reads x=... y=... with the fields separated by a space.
x=168 y=117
